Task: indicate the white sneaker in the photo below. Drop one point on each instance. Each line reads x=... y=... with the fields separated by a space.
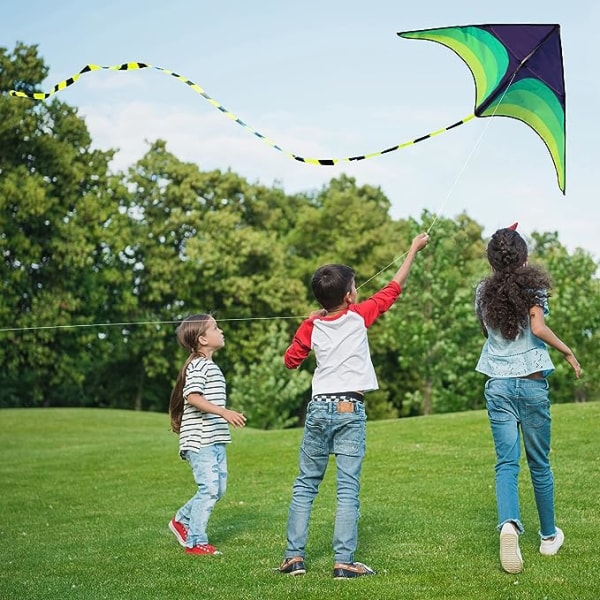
x=510 y=553
x=552 y=546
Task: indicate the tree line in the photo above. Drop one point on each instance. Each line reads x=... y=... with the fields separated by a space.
x=98 y=268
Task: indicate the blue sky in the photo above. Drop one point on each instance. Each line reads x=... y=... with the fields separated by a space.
x=328 y=79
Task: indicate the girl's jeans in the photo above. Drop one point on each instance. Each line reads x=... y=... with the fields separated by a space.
x=518 y=406
x=326 y=432
x=209 y=467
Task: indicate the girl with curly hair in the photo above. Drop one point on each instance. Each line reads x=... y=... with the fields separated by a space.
x=511 y=304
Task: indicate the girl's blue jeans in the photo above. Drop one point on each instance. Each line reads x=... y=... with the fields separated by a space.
x=521 y=407
x=209 y=467
x=326 y=432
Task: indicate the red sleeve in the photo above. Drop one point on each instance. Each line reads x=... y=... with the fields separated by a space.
x=372 y=308
x=300 y=347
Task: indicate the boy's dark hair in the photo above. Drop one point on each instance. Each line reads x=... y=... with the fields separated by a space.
x=513 y=288
x=331 y=283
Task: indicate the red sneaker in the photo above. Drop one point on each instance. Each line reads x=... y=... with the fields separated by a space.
x=202 y=549
x=179 y=531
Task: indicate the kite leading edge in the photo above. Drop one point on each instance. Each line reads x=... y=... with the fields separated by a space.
x=518 y=73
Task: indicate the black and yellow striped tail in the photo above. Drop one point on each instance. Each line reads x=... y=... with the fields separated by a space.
x=132 y=66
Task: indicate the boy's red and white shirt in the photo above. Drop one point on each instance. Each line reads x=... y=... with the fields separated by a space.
x=341 y=345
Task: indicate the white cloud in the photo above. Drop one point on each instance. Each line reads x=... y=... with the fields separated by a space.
x=494 y=169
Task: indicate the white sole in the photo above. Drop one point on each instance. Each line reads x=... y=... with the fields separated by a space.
x=510 y=557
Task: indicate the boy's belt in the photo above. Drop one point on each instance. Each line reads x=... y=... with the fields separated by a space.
x=341 y=397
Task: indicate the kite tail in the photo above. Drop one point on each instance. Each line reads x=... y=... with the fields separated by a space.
x=132 y=66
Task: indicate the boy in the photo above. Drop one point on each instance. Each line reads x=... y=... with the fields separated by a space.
x=335 y=419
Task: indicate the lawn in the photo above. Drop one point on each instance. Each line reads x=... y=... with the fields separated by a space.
x=86 y=495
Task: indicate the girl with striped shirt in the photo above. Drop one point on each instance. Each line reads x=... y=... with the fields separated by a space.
x=199 y=415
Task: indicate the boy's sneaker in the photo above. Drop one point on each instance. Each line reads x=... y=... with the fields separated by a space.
x=350 y=570
x=202 y=549
x=293 y=566
x=179 y=531
x=510 y=553
x=551 y=546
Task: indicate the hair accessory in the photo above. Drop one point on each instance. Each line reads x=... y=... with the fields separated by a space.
x=513 y=226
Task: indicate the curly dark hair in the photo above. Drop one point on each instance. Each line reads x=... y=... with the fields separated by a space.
x=505 y=297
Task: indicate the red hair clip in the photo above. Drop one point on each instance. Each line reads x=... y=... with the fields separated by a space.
x=513 y=226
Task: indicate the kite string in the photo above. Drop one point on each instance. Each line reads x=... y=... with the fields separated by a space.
x=435 y=220
x=396 y=259
x=471 y=154
x=127 y=323
x=452 y=187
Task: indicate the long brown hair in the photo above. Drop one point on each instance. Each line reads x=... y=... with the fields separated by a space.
x=514 y=287
x=188 y=332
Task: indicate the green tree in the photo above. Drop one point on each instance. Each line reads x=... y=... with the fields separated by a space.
x=205 y=242
x=60 y=229
x=574 y=315
x=98 y=269
x=271 y=396
x=430 y=339
x=342 y=223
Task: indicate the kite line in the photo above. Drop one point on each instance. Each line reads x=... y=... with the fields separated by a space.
x=128 y=323
x=324 y=162
x=133 y=66
x=450 y=191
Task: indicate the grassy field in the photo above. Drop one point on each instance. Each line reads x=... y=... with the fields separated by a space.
x=86 y=495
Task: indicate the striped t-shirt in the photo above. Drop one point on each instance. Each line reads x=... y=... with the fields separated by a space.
x=198 y=428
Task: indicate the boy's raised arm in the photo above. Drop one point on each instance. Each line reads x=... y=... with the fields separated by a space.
x=418 y=243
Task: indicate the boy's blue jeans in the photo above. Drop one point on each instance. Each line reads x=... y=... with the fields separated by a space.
x=326 y=432
x=209 y=467
x=518 y=406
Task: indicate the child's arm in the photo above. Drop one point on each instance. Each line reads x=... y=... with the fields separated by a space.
x=418 y=243
x=372 y=308
x=299 y=349
x=201 y=403
x=542 y=331
x=483 y=328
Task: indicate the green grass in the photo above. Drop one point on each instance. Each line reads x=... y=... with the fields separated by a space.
x=85 y=497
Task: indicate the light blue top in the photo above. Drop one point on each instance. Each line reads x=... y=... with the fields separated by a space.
x=522 y=356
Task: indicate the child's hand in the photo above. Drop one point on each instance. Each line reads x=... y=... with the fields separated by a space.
x=420 y=241
x=234 y=418
x=574 y=363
